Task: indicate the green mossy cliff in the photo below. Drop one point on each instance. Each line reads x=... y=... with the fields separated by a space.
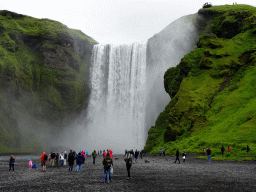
x=212 y=89
x=44 y=75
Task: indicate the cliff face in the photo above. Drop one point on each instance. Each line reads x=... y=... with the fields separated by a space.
x=44 y=78
x=212 y=89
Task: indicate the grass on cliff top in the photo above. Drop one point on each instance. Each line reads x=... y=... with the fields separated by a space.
x=231 y=119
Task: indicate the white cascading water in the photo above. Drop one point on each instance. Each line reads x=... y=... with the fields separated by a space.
x=127 y=89
x=116 y=111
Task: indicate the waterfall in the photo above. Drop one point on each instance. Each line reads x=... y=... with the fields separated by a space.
x=127 y=87
x=116 y=111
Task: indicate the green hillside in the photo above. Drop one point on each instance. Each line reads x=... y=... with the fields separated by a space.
x=44 y=75
x=213 y=89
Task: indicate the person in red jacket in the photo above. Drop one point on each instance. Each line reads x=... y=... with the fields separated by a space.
x=43 y=161
x=229 y=149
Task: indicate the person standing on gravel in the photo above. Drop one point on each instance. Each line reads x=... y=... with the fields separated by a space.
x=107 y=162
x=11 y=163
x=43 y=161
x=222 y=149
x=184 y=156
x=177 y=156
x=129 y=162
x=104 y=153
x=136 y=156
x=209 y=154
x=61 y=159
x=71 y=159
x=57 y=159
x=164 y=152
x=204 y=150
x=52 y=158
x=160 y=152
x=248 y=150
x=94 y=155
x=65 y=158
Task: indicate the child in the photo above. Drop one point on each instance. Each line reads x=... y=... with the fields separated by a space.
x=184 y=156
x=11 y=163
x=30 y=164
x=34 y=166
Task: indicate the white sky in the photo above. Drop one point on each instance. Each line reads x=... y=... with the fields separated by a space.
x=113 y=21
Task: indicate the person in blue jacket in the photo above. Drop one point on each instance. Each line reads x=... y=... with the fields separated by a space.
x=11 y=163
x=79 y=162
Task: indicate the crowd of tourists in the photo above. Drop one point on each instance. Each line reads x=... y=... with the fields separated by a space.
x=79 y=158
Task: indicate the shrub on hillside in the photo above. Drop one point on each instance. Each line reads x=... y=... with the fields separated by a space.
x=207 y=5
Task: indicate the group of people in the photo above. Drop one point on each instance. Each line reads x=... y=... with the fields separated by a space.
x=160 y=152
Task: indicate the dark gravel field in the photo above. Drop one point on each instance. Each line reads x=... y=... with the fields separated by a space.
x=161 y=174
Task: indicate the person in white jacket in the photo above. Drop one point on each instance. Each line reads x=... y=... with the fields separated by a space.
x=61 y=159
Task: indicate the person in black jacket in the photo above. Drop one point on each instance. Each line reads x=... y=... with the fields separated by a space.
x=136 y=155
x=71 y=159
x=177 y=156
x=79 y=162
x=222 y=150
x=208 y=150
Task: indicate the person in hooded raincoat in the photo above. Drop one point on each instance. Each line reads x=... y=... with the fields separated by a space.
x=30 y=164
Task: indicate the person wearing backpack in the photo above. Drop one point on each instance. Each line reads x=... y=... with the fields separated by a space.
x=129 y=162
x=44 y=158
x=107 y=162
x=79 y=162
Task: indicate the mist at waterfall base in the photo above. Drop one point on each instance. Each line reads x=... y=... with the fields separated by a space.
x=127 y=89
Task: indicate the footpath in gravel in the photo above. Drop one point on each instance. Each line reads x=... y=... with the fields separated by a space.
x=161 y=174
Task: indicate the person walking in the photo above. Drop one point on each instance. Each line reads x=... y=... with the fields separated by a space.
x=184 y=156
x=222 y=150
x=229 y=149
x=209 y=154
x=107 y=162
x=79 y=162
x=141 y=154
x=71 y=160
x=129 y=162
x=248 y=150
x=43 y=161
x=94 y=155
x=136 y=156
x=177 y=156
x=160 y=152
x=164 y=152
x=11 y=163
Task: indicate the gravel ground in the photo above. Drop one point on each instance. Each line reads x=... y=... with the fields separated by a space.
x=161 y=174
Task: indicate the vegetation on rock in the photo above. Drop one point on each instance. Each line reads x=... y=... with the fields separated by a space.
x=212 y=90
x=44 y=77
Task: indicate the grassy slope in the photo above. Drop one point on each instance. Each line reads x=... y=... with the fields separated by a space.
x=42 y=78
x=214 y=104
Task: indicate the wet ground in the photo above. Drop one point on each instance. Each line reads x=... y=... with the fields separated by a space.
x=161 y=174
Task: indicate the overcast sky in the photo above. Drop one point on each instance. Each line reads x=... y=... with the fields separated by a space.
x=113 y=21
